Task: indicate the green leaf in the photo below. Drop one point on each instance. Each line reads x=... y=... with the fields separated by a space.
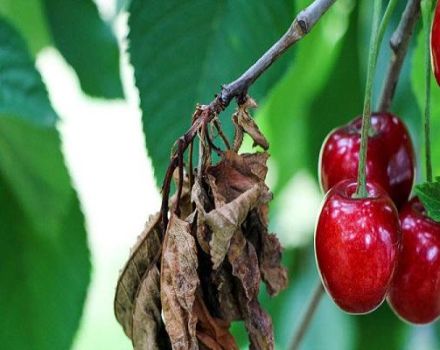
x=429 y=194
x=88 y=45
x=292 y=113
x=418 y=87
x=28 y=17
x=22 y=92
x=44 y=260
x=182 y=51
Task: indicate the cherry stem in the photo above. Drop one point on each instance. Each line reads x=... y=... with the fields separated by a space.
x=427 y=18
x=377 y=34
x=308 y=315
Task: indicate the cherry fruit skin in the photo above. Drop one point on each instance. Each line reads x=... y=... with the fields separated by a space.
x=415 y=291
x=435 y=43
x=390 y=156
x=356 y=246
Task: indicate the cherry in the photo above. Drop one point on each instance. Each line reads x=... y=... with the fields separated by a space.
x=435 y=43
x=390 y=156
x=356 y=242
x=415 y=291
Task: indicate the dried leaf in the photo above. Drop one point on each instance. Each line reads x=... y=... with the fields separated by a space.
x=179 y=281
x=227 y=301
x=143 y=256
x=201 y=200
x=245 y=121
x=258 y=325
x=148 y=329
x=269 y=251
x=274 y=275
x=243 y=259
x=185 y=198
x=212 y=332
x=236 y=174
x=227 y=219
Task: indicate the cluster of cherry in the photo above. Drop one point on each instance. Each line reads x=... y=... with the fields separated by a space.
x=364 y=252
x=381 y=246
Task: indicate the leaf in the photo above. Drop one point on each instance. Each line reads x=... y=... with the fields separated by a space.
x=87 y=43
x=244 y=122
x=44 y=256
x=227 y=219
x=148 y=332
x=179 y=281
x=143 y=256
x=211 y=331
x=272 y=272
x=243 y=259
x=429 y=194
x=212 y=50
x=22 y=93
x=236 y=174
x=227 y=301
x=29 y=19
x=259 y=326
x=418 y=87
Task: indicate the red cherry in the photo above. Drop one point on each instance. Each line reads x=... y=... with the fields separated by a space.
x=390 y=156
x=356 y=245
x=435 y=43
x=415 y=291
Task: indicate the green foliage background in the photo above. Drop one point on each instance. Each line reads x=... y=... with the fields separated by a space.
x=181 y=51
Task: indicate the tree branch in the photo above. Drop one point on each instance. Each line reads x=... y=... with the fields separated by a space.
x=399 y=45
x=302 y=25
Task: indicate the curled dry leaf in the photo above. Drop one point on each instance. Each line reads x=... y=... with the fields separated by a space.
x=243 y=259
x=243 y=120
x=185 y=198
x=200 y=198
x=258 y=324
x=227 y=219
x=274 y=275
x=235 y=174
x=212 y=332
x=143 y=256
x=269 y=251
x=179 y=281
x=148 y=329
x=227 y=300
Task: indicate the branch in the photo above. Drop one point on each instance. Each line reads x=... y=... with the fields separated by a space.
x=301 y=26
x=305 y=320
x=399 y=45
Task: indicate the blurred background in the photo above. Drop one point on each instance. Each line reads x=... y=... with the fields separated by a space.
x=115 y=126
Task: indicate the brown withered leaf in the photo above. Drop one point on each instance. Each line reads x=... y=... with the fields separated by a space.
x=227 y=219
x=235 y=174
x=148 y=329
x=185 y=198
x=256 y=162
x=143 y=256
x=227 y=300
x=200 y=198
x=258 y=324
x=212 y=332
x=269 y=252
x=245 y=121
x=243 y=259
x=179 y=281
x=274 y=275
